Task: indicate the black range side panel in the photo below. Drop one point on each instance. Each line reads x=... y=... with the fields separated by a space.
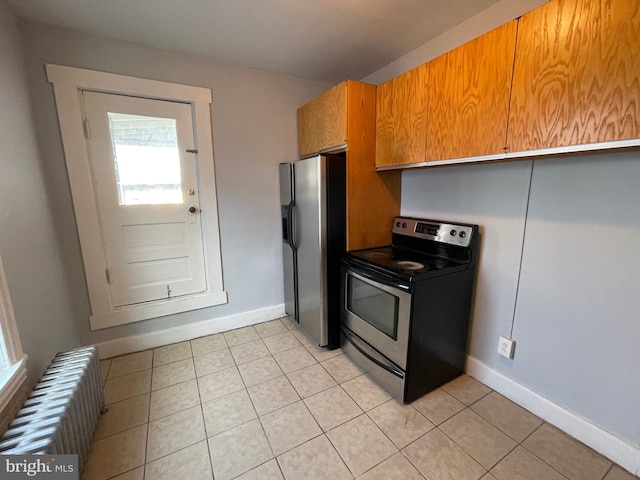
x=336 y=240
x=439 y=332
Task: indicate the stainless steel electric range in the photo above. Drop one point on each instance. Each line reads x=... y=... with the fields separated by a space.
x=405 y=307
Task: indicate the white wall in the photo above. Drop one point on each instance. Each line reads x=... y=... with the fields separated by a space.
x=254 y=128
x=576 y=313
x=28 y=245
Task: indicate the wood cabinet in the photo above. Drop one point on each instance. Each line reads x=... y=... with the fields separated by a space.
x=322 y=123
x=577 y=75
x=468 y=97
x=401 y=119
x=573 y=82
x=346 y=114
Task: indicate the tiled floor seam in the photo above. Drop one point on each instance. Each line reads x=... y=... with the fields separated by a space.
x=344 y=460
x=469 y=453
x=322 y=432
x=206 y=437
x=544 y=461
x=146 y=443
x=413 y=464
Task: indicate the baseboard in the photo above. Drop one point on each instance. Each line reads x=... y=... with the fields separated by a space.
x=615 y=449
x=145 y=341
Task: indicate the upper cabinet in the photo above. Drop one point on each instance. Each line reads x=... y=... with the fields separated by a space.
x=455 y=106
x=577 y=75
x=322 y=123
x=401 y=119
x=468 y=97
x=346 y=114
x=565 y=77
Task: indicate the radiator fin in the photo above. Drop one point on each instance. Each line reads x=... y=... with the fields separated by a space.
x=61 y=413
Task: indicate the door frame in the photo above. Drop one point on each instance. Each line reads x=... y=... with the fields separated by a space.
x=68 y=82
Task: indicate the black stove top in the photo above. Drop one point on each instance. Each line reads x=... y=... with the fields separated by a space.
x=409 y=264
x=421 y=249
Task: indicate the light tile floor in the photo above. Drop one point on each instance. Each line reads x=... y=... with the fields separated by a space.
x=262 y=403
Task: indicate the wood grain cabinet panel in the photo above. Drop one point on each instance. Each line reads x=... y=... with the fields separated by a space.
x=333 y=116
x=308 y=128
x=322 y=123
x=577 y=75
x=346 y=114
x=373 y=198
x=401 y=119
x=468 y=97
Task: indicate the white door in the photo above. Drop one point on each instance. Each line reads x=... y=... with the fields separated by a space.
x=142 y=155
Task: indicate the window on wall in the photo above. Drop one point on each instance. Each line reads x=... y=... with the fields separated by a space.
x=12 y=359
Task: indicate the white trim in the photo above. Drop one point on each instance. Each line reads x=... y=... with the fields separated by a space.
x=11 y=379
x=543 y=152
x=68 y=82
x=617 y=450
x=15 y=371
x=586 y=147
x=8 y=326
x=159 y=308
x=82 y=79
x=145 y=341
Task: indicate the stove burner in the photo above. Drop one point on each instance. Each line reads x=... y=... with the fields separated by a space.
x=409 y=265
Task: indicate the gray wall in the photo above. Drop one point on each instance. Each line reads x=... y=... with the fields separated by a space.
x=254 y=128
x=576 y=314
x=28 y=245
x=576 y=317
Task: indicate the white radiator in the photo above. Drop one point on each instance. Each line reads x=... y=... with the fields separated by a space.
x=62 y=411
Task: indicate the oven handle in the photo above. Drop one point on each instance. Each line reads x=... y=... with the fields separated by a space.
x=371 y=354
x=378 y=278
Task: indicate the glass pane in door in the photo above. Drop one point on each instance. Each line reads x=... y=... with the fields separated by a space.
x=147 y=159
x=374 y=306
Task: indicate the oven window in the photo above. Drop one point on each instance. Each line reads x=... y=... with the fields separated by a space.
x=374 y=306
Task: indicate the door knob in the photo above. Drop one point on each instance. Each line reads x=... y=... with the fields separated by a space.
x=193 y=209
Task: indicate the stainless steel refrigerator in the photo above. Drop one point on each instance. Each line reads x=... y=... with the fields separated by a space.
x=313 y=215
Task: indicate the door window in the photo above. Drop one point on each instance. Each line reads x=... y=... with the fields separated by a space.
x=373 y=305
x=147 y=159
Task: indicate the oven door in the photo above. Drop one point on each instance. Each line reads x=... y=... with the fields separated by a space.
x=378 y=310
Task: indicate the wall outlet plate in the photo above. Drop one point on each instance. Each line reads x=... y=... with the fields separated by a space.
x=506 y=347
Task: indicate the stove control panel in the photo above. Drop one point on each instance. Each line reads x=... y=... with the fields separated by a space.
x=433 y=230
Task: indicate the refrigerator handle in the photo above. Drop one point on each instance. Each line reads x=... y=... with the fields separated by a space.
x=292 y=225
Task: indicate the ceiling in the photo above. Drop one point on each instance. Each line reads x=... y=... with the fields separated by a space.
x=325 y=40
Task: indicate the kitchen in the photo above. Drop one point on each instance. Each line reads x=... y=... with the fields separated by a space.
x=575 y=329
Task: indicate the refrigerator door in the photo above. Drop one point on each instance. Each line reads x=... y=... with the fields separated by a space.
x=310 y=240
x=288 y=247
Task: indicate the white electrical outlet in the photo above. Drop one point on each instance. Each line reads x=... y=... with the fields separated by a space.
x=506 y=347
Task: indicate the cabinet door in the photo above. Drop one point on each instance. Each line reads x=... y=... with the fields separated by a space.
x=468 y=97
x=333 y=116
x=322 y=123
x=401 y=119
x=309 y=128
x=577 y=75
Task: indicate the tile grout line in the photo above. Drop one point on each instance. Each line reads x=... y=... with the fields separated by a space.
x=146 y=443
x=303 y=400
x=536 y=456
